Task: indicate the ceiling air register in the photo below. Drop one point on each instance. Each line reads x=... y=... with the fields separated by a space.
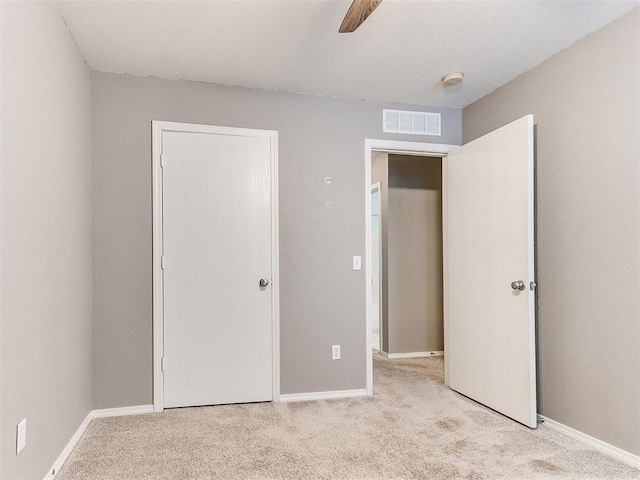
x=412 y=123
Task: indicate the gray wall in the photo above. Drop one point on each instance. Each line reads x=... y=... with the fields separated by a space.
x=322 y=298
x=585 y=102
x=380 y=173
x=46 y=237
x=415 y=254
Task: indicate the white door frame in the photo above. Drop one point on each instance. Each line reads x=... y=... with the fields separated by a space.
x=400 y=148
x=158 y=128
x=378 y=186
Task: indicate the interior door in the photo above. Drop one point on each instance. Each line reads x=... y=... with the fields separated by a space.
x=217 y=248
x=376 y=255
x=490 y=270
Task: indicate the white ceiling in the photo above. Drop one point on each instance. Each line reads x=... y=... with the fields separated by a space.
x=399 y=54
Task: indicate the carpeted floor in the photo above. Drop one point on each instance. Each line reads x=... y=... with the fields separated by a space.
x=412 y=428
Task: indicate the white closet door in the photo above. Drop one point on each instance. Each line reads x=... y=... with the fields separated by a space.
x=217 y=247
x=490 y=244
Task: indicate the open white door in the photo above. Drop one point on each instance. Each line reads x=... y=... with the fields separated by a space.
x=489 y=242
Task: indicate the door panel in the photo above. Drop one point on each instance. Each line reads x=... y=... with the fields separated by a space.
x=217 y=246
x=490 y=243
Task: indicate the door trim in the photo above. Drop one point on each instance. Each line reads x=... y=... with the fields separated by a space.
x=158 y=127
x=402 y=148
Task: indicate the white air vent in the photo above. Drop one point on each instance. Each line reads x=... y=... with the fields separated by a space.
x=412 y=123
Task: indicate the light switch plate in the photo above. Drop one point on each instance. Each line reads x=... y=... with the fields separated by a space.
x=357 y=262
x=21 y=435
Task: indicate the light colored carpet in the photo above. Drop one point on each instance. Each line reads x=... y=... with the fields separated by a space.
x=412 y=428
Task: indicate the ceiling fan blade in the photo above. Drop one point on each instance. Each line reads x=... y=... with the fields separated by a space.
x=357 y=13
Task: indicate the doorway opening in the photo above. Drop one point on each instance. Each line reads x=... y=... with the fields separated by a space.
x=488 y=265
x=406 y=255
x=407 y=156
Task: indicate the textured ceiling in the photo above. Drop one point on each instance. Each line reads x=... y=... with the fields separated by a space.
x=399 y=54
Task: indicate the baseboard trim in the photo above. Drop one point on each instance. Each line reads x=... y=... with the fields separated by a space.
x=604 y=447
x=106 y=412
x=122 y=411
x=413 y=354
x=302 y=397
x=57 y=465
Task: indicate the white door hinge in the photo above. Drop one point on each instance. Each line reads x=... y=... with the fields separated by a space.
x=161 y=160
x=162 y=262
x=162 y=364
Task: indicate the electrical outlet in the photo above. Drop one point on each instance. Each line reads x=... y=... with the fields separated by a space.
x=21 y=435
x=357 y=262
x=335 y=352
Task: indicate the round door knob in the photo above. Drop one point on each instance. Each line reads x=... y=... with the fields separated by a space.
x=264 y=282
x=518 y=285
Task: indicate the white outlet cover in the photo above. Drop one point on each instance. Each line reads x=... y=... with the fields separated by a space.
x=21 y=435
x=357 y=262
x=335 y=352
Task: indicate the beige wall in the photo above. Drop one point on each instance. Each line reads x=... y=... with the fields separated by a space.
x=322 y=299
x=415 y=254
x=45 y=233
x=586 y=104
x=411 y=224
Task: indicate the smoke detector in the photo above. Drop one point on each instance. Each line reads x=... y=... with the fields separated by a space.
x=452 y=79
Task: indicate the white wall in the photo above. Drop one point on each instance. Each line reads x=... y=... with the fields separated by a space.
x=45 y=235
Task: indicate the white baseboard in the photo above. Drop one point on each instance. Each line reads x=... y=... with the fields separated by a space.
x=606 y=448
x=107 y=412
x=122 y=411
x=301 y=397
x=57 y=465
x=412 y=354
